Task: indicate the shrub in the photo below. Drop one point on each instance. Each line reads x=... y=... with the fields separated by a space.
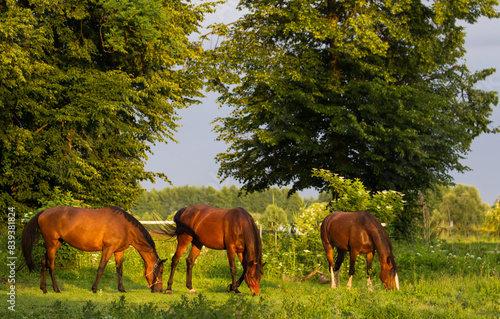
x=351 y=195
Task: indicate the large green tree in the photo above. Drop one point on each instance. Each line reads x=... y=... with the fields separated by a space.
x=86 y=87
x=375 y=90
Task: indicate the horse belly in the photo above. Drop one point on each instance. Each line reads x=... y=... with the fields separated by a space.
x=85 y=243
x=338 y=238
x=76 y=230
x=211 y=236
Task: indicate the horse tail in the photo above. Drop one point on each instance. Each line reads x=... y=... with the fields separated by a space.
x=29 y=238
x=178 y=228
x=183 y=228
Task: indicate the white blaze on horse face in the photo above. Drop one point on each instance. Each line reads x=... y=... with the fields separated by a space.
x=397 y=282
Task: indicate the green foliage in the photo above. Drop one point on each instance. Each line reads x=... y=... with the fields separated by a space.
x=309 y=219
x=373 y=90
x=61 y=198
x=492 y=219
x=274 y=217
x=461 y=205
x=85 y=89
x=351 y=196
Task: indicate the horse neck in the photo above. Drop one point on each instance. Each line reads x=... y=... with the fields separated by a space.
x=253 y=245
x=150 y=257
x=147 y=252
x=383 y=247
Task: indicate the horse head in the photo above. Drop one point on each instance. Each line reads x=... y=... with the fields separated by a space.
x=389 y=274
x=253 y=275
x=154 y=276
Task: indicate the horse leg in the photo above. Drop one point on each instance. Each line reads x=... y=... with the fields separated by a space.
x=338 y=263
x=352 y=261
x=193 y=254
x=105 y=256
x=232 y=267
x=329 y=256
x=50 y=262
x=244 y=265
x=119 y=269
x=43 y=275
x=369 y=260
x=182 y=241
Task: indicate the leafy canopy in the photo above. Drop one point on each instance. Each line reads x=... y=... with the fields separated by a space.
x=374 y=90
x=86 y=87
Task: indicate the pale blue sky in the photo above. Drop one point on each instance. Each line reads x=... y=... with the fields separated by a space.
x=191 y=161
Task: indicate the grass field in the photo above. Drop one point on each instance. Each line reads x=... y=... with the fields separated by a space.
x=443 y=280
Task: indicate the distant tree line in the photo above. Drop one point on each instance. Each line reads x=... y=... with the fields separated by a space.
x=167 y=201
x=460 y=207
x=458 y=210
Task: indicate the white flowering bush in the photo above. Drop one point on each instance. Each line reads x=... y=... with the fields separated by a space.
x=353 y=196
x=308 y=220
x=386 y=205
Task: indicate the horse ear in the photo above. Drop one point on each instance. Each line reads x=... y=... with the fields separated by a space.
x=262 y=265
x=163 y=260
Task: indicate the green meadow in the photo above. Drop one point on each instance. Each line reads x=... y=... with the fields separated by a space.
x=445 y=279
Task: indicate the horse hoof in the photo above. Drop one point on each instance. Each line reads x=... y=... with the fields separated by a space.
x=192 y=291
x=168 y=292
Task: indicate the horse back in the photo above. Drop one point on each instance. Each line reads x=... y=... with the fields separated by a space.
x=347 y=231
x=85 y=229
x=216 y=227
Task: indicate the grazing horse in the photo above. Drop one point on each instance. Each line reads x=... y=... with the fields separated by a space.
x=109 y=229
x=358 y=233
x=233 y=230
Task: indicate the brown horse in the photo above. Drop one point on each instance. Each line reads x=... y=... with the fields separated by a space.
x=358 y=233
x=233 y=230
x=110 y=230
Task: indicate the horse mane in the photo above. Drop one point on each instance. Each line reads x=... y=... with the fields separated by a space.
x=256 y=236
x=131 y=219
x=383 y=239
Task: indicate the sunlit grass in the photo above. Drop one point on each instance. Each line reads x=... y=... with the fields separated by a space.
x=439 y=280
